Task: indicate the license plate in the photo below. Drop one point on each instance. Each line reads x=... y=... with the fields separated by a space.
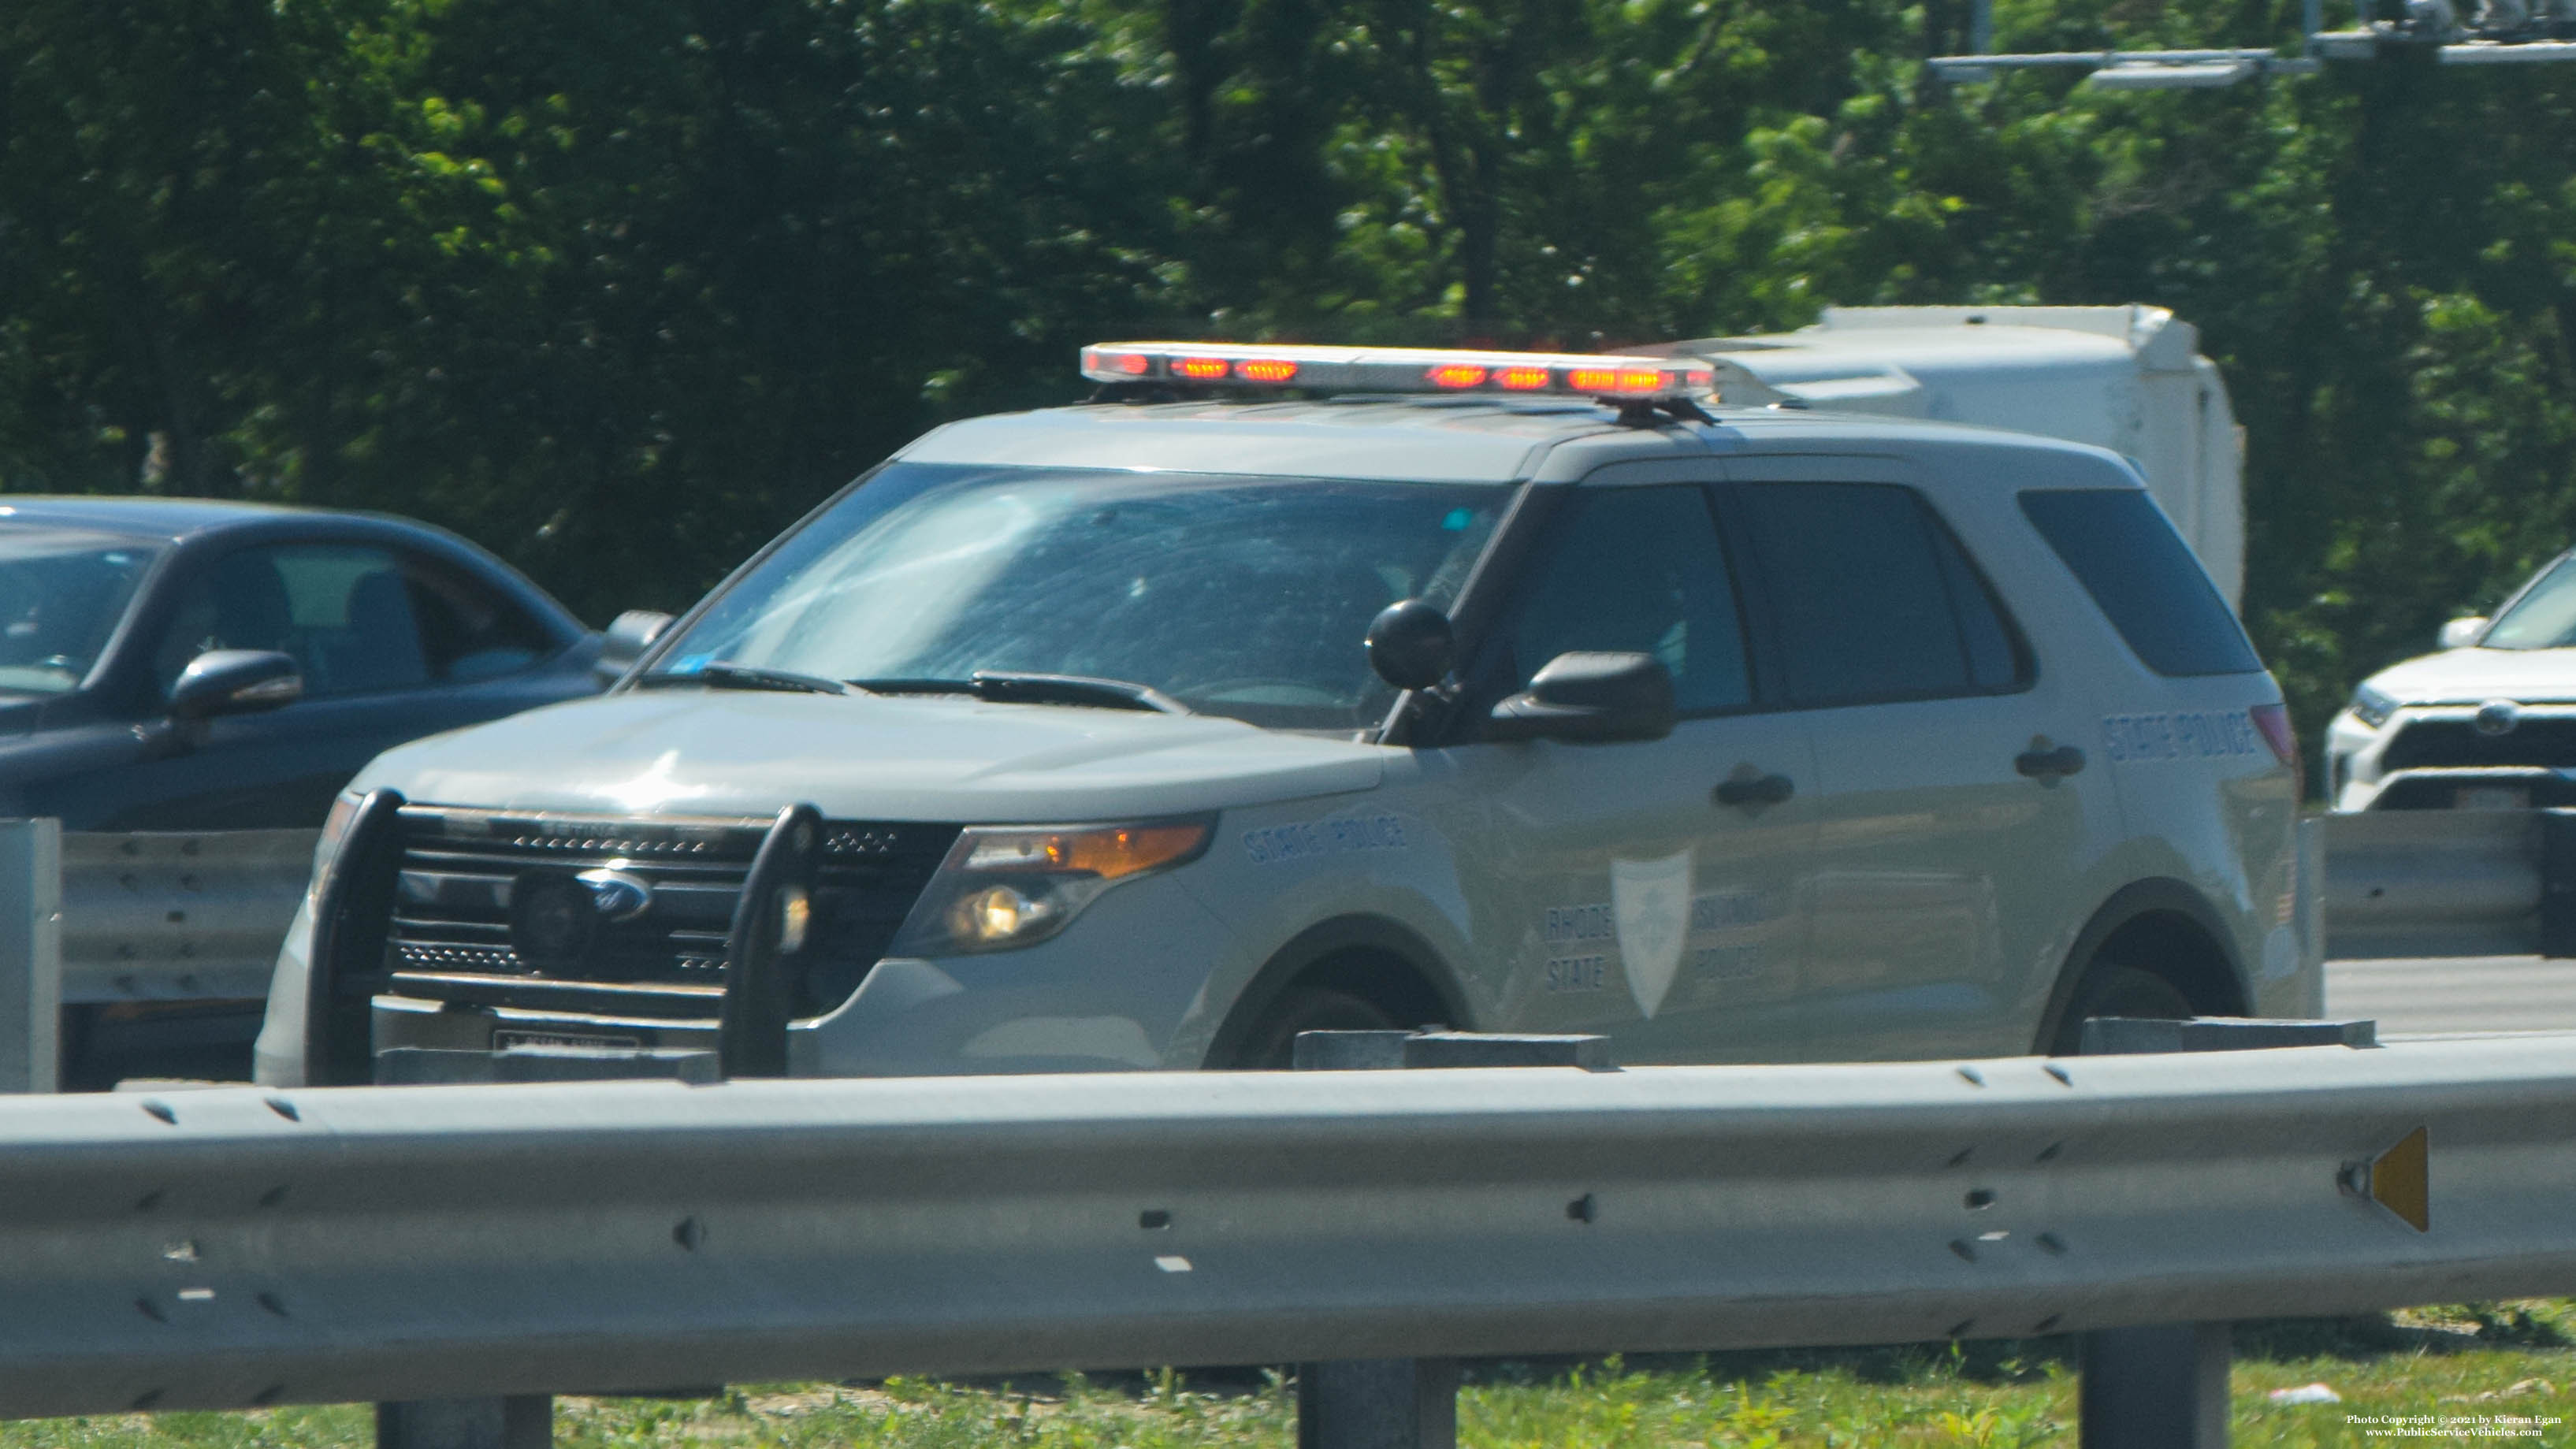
x=2491 y=797
x=504 y=1040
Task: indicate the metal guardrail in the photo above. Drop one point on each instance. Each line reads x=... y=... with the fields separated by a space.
x=243 y=1247
x=2450 y=883
x=160 y=916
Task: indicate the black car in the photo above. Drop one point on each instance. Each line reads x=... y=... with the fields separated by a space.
x=186 y=685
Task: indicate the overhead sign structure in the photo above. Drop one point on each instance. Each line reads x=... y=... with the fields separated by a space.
x=2504 y=32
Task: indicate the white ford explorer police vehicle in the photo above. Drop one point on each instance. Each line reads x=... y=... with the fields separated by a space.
x=1290 y=688
x=2487 y=724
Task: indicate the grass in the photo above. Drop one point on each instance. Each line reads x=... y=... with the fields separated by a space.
x=2455 y=1363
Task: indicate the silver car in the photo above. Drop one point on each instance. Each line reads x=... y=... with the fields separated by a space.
x=1530 y=696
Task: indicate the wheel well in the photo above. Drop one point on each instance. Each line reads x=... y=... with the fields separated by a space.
x=2182 y=951
x=2162 y=926
x=1385 y=981
x=1377 y=961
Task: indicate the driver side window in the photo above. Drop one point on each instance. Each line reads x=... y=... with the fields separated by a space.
x=344 y=614
x=1636 y=570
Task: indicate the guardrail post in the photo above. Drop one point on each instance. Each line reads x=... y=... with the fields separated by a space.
x=1407 y=1403
x=2164 y=1386
x=520 y=1421
x=514 y=1421
x=31 y=955
x=2558 y=883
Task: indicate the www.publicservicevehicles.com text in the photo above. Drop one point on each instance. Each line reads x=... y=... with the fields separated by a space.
x=2453 y=1426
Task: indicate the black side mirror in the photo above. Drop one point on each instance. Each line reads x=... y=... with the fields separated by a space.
x=1591 y=698
x=235 y=681
x=628 y=636
x=1409 y=644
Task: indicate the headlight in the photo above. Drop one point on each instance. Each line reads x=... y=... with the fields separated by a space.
x=1006 y=887
x=2372 y=707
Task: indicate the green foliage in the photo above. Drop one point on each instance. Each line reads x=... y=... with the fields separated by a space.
x=1851 y=1399
x=621 y=288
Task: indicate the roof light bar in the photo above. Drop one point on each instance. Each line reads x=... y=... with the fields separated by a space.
x=1397 y=369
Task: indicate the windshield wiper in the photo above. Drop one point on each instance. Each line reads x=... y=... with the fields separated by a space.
x=720 y=674
x=1002 y=686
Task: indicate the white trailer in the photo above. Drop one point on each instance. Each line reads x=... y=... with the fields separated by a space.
x=2128 y=378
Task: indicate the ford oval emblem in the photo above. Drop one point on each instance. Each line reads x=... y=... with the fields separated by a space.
x=616 y=895
x=2498 y=717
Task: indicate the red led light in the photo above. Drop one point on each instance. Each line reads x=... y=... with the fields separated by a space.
x=1614 y=377
x=1134 y=364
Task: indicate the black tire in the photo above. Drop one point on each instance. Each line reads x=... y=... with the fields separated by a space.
x=2111 y=989
x=1272 y=1045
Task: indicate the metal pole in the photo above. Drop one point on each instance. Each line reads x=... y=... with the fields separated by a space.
x=1378 y=1403
x=513 y=1421
x=2557 y=883
x=1407 y=1403
x=2164 y=1386
x=521 y=1421
x=2161 y=1387
x=1981 y=25
x=31 y=955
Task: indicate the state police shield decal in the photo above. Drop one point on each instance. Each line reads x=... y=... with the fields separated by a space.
x=1651 y=901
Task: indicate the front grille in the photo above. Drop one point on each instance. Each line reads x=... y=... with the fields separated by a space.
x=462 y=870
x=2548 y=742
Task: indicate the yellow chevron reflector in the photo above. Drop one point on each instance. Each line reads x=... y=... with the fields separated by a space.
x=2401 y=1179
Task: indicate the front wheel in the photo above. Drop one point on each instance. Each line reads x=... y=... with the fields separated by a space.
x=1272 y=1046
x=2111 y=989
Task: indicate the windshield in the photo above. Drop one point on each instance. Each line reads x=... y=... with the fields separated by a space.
x=1233 y=596
x=61 y=593
x=2544 y=617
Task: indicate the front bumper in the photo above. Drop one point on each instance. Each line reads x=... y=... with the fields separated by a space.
x=1120 y=990
x=2436 y=757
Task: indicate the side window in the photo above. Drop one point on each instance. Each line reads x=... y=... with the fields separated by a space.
x=469 y=631
x=2128 y=557
x=356 y=619
x=1996 y=659
x=1874 y=598
x=1636 y=570
x=342 y=611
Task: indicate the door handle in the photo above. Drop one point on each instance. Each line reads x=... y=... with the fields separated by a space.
x=1749 y=790
x=2046 y=765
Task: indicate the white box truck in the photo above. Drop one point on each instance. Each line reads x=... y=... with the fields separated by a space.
x=2128 y=378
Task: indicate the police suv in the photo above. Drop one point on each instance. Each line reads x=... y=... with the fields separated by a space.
x=1288 y=688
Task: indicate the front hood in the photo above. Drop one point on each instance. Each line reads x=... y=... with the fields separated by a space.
x=2474 y=676
x=697 y=752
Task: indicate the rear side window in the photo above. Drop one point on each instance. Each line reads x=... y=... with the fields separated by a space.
x=2126 y=554
x=1873 y=597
